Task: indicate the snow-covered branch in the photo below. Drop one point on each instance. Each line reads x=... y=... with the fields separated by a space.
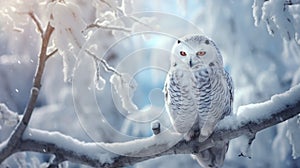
x=278 y=16
x=250 y=119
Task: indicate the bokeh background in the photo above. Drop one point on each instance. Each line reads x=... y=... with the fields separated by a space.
x=261 y=64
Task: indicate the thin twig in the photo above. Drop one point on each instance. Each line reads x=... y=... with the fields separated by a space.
x=104 y=63
x=106 y=3
x=95 y=25
x=52 y=53
x=140 y=22
x=37 y=23
x=116 y=9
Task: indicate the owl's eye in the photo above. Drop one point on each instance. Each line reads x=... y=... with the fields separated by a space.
x=200 y=53
x=182 y=53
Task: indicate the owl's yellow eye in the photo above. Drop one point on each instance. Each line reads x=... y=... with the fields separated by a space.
x=200 y=53
x=182 y=53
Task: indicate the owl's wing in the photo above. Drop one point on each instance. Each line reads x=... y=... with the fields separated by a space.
x=214 y=157
x=172 y=94
x=231 y=91
x=221 y=96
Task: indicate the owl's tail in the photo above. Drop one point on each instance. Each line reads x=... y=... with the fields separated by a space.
x=212 y=157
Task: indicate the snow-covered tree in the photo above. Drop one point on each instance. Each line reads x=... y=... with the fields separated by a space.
x=98 y=67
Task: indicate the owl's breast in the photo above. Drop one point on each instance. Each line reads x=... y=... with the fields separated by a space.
x=194 y=97
x=181 y=99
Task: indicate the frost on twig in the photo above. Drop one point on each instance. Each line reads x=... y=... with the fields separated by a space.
x=105 y=65
x=106 y=27
x=123 y=84
x=99 y=81
x=68 y=66
x=293 y=134
x=65 y=17
x=125 y=87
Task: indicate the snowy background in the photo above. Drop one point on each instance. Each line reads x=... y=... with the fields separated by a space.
x=260 y=43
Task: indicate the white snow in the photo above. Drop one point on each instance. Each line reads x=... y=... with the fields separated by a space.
x=7 y=117
x=66 y=18
x=258 y=111
x=276 y=16
x=68 y=65
x=124 y=86
x=93 y=150
x=278 y=102
x=106 y=152
x=146 y=146
x=99 y=81
x=257 y=11
x=293 y=134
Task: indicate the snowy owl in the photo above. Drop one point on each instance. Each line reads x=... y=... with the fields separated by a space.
x=198 y=93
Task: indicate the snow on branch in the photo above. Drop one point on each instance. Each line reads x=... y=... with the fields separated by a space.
x=250 y=119
x=7 y=117
x=278 y=16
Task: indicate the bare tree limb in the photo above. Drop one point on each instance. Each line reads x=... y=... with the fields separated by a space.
x=51 y=54
x=100 y=155
x=37 y=23
x=96 y=25
x=16 y=135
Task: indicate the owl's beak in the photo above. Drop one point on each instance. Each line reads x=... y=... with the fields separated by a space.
x=191 y=63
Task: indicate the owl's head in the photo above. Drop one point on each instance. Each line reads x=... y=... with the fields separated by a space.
x=195 y=52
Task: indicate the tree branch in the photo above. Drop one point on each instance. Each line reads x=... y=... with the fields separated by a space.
x=96 y=25
x=166 y=143
x=16 y=135
x=51 y=54
x=37 y=23
x=104 y=63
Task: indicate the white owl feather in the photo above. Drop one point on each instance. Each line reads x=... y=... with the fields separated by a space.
x=198 y=93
